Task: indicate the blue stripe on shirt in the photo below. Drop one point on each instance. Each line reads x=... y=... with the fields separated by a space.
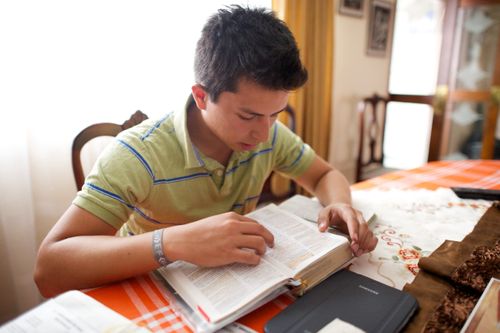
x=298 y=157
x=178 y=179
x=118 y=198
x=239 y=205
x=150 y=219
x=263 y=151
x=155 y=126
x=109 y=194
x=139 y=156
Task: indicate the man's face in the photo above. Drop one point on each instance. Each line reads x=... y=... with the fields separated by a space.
x=241 y=120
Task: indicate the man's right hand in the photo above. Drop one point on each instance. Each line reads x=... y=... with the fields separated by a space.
x=218 y=240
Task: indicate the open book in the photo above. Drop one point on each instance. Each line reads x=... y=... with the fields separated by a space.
x=301 y=258
x=70 y=312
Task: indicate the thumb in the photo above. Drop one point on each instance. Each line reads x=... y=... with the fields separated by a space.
x=322 y=223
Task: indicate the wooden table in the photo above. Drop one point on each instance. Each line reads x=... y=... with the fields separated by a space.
x=140 y=299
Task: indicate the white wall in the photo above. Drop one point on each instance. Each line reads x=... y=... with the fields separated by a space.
x=65 y=65
x=355 y=75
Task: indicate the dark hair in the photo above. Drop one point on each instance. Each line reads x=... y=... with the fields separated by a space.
x=254 y=44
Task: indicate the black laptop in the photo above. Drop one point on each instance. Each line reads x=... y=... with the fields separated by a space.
x=358 y=300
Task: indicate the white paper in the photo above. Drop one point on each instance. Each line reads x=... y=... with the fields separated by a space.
x=339 y=326
x=71 y=312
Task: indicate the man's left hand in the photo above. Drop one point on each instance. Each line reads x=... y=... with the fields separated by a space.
x=350 y=221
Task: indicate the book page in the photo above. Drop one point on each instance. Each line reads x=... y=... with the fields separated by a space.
x=218 y=292
x=302 y=206
x=309 y=209
x=297 y=243
x=199 y=324
x=71 y=312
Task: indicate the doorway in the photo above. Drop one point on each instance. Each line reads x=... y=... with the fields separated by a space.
x=470 y=128
x=445 y=62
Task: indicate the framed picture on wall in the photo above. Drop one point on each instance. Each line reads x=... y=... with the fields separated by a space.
x=380 y=27
x=352 y=7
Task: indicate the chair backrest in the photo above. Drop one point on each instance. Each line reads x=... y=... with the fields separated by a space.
x=94 y=131
x=371 y=116
x=269 y=193
x=287 y=187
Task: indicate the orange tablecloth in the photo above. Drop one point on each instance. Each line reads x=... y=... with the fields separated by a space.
x=140 y=300
x=469 y=173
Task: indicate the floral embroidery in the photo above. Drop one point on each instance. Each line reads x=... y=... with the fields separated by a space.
x=413 y=268
x=407 y=254
x=410 y=225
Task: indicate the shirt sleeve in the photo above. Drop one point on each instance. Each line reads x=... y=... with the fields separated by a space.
x=293 y=156
x=120 y=178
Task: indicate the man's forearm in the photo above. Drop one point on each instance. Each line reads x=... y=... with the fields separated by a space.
x=88 y=261
x=333 y=187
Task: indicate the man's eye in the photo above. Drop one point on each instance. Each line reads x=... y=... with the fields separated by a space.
x=245 y=117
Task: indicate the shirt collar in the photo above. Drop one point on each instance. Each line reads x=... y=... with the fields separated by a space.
x=191 y=155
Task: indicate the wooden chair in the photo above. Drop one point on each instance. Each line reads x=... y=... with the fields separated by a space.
x=94 y=131
x=372 y=113
x=269 y=194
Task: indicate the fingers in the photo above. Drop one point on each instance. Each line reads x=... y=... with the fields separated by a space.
x=324 y=218
x=248 y=249
x=246 y=225
x=254 y=228
x=351 y=221
x=252 y=241
x=242 y=217
x=357 y=246
x=372 y=244
x=256 y=243
x=246 y=256
x=367 y=241
x=342 y=216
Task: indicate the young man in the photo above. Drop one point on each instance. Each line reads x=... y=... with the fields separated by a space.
x=179 y=187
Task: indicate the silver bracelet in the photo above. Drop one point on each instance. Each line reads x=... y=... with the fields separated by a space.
x=158 y=248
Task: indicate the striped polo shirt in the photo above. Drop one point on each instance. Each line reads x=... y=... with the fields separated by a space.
x=152 y=176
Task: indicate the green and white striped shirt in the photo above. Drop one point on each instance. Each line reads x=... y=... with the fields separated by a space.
x=152 y=176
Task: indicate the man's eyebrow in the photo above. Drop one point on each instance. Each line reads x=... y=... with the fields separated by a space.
x=253 y=113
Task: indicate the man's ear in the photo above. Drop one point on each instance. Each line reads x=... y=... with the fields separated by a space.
x=200 y=96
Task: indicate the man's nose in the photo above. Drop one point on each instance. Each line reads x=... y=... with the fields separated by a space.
x=261 y=131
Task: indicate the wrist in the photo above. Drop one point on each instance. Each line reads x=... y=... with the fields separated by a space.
x=172 y=243
x=157 y=246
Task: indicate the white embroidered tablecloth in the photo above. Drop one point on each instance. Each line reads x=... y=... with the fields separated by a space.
x=411 y=224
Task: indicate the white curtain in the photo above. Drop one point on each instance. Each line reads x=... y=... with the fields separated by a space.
x=65 y=65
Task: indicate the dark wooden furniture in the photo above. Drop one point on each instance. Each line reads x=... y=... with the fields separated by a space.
x=94 y=131
x=372 y=113
x=269 y=193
